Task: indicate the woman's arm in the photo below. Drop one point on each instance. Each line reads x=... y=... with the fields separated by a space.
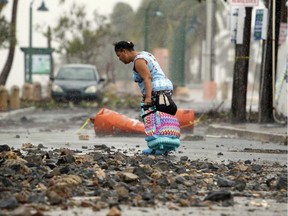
x=142 y=68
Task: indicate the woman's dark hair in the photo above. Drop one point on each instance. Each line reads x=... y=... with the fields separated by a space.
x=123 y=45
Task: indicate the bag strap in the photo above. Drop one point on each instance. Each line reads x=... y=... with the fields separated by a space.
x=146 y=114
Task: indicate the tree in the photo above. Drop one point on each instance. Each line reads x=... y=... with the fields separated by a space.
x=12 y=43
x=4 y=30
x=123 y=25
x=80 y=40
x=121 y=18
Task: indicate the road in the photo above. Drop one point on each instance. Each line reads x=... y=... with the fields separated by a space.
x=59 y=128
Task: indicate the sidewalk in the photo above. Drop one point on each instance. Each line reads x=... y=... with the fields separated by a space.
x=275 y=133
x=4 y=115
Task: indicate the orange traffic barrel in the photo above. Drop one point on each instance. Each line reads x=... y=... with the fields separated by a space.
x=110 y=122
x=186 y=119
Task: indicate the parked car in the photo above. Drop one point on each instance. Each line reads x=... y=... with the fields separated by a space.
x=77 y=82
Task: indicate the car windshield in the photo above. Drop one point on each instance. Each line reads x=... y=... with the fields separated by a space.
x=76 y=74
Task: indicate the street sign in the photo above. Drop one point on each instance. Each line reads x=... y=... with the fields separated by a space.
x=244 y=3
x=260 y=27
x=233 y=24
x=41 y=64
x=41 y=61
x=237 y=17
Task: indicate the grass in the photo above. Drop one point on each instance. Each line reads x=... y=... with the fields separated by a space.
x=109 y=100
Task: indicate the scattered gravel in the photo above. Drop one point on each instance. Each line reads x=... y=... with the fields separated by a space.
x=36 y=179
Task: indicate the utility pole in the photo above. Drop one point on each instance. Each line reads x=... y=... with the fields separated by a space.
x=178 y=54
x=49 y=37
x=209 y=40
x=266 y=108
x=241 y=67
x=210 y=88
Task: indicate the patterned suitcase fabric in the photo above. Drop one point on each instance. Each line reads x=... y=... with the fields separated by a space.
x=162 y=130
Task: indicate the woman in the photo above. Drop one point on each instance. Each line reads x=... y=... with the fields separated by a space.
x=146 y=71
x=155 y=87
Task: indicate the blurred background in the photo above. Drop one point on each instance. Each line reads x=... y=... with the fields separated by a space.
x=196 y=43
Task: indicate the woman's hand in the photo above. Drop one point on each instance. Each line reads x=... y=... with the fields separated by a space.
x=148 y=101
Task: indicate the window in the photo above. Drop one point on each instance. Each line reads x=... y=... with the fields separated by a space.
x=76 y=74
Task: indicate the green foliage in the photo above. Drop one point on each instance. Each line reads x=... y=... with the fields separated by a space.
x=79 y=40
x=84 y=41
x=173 y=13
x=112 y=100
x=4 y=32
x=42 y=104
x=122 y=21
x=50 y=104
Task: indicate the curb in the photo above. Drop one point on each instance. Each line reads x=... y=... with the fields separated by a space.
x=216 y=130
x=7 y=114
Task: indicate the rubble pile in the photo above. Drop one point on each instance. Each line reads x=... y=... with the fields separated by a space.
x=36 y=178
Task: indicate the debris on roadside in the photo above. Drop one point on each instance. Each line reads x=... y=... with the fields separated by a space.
x=43 y=179
x=83 y=137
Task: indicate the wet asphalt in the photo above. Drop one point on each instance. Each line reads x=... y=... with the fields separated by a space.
x=60 y=128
